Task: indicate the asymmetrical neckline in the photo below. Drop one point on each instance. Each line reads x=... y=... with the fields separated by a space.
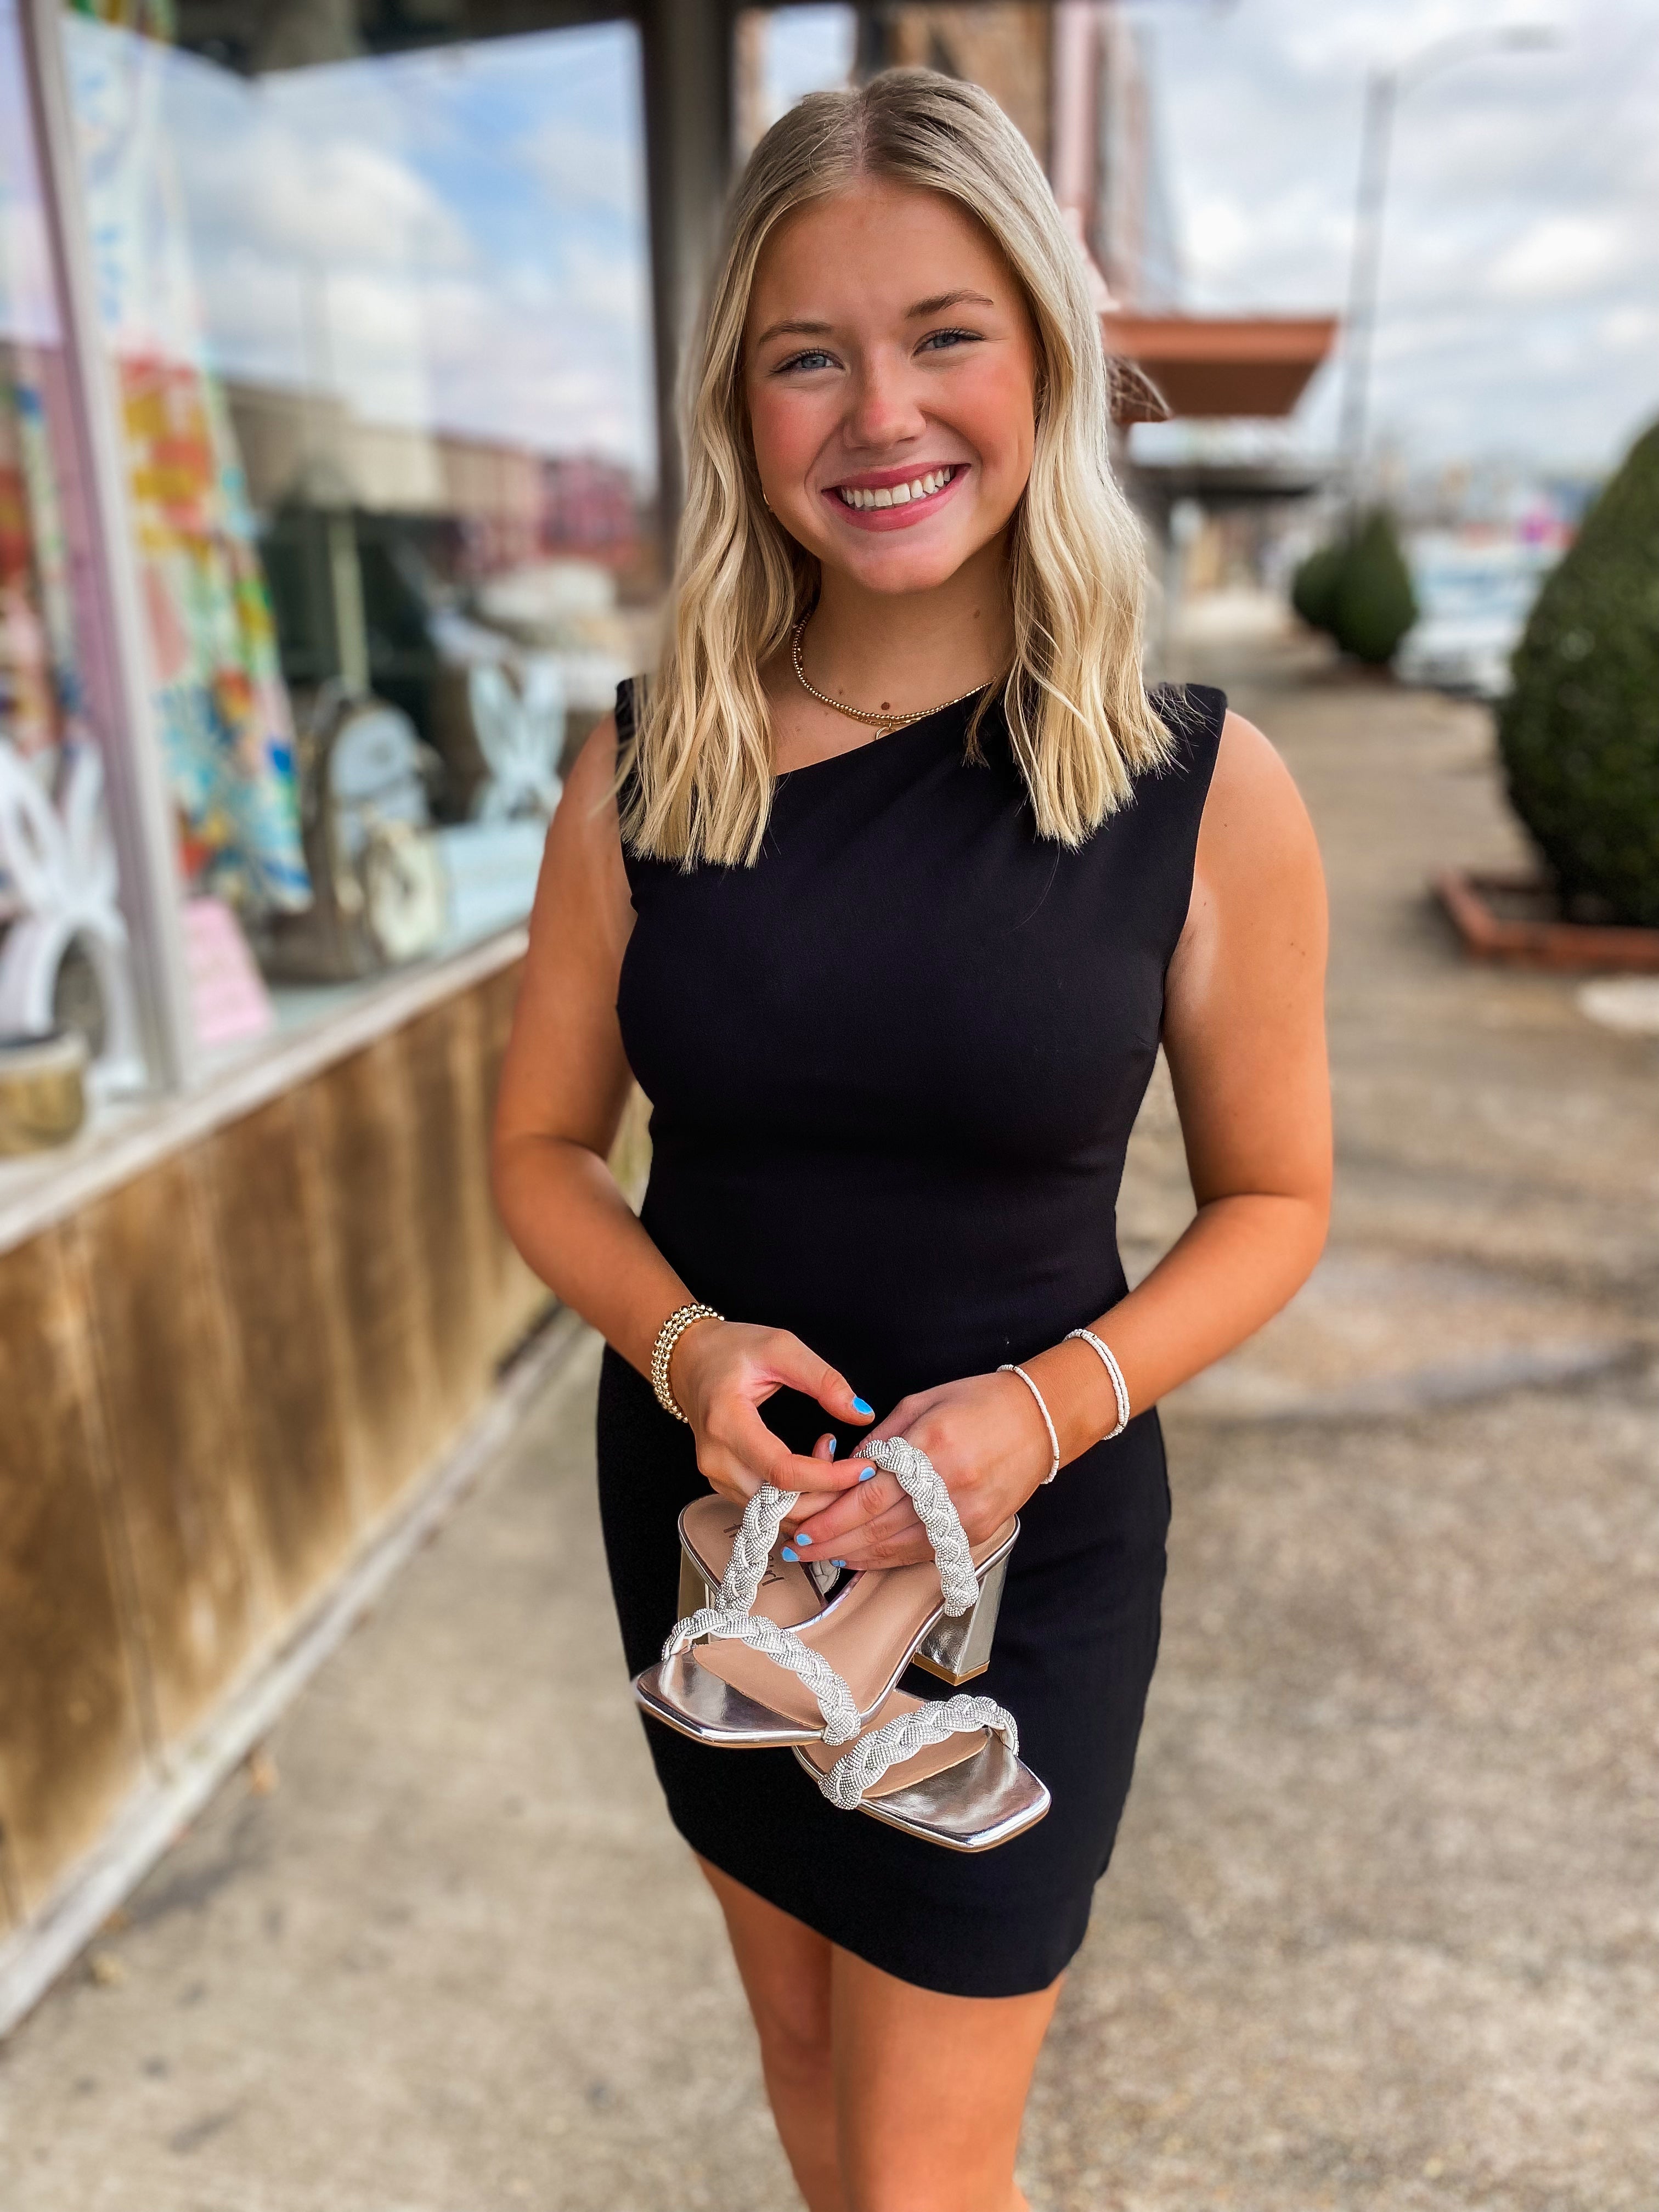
x=958 y=710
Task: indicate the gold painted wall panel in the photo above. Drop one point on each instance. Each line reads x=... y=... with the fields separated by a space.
x=213 y=1379
x=171 y=1403
x=363 y=1119
x=453 y=1200
x=271 y=1229
x=71 y=1741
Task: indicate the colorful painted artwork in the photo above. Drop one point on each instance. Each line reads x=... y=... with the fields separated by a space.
x=221 y=705
x=38 y=679
x=153 y=18
x=30 y=709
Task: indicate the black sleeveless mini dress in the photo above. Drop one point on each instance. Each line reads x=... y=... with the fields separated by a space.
x=893 y=1068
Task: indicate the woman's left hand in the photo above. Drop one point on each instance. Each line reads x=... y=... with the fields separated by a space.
x=985 y=1438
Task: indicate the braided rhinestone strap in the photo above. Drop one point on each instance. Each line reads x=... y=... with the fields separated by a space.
x=855 y=1770
x=841 y=1718
x=762 y=1519
x=924 y=1485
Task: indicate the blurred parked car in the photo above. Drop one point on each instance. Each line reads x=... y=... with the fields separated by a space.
x=1475 y=598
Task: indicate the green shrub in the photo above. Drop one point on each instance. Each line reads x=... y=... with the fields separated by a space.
x=1580 y=730
x=1375 y=602
x=1314 y=586
x=1358 y=589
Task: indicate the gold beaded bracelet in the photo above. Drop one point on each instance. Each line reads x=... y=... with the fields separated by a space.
x=667 y=1337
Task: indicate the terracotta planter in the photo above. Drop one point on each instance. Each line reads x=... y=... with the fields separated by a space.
x=1538 y=939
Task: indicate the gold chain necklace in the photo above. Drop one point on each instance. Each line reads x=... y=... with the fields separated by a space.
x=861 y=713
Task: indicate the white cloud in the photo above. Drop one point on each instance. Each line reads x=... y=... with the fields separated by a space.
x=436 y=248
x=586 y=167
x=277 y=185
x=1629 y=329
x=1521 y=252
x=1219 y=235
x=1562 y=257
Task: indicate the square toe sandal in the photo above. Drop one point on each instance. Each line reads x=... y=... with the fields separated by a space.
x=949 y=1772
x=759 y=1664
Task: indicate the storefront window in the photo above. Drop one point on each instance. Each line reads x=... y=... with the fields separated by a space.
x=65 y=971
x=378 y=327
x=39 y=661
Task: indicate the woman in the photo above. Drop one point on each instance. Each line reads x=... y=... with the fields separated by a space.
x=893 y=974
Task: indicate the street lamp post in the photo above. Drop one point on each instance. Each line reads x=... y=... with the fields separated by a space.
x=1383 y=91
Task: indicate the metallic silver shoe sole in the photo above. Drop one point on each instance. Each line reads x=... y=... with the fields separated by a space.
x=693 y=1702
x=699 y=1704
x=988 y=1800
x=689 y=1698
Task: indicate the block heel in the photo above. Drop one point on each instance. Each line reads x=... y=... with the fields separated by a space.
x=696 y=1589
x=957 y=1650
x=762 y=1656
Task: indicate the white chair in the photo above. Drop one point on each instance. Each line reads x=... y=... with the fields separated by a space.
x=520 y=733
x=60 y=869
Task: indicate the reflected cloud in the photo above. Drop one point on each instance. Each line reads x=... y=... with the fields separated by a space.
x=440 y=241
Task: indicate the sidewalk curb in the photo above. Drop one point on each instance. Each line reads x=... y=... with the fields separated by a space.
x=34 y=1958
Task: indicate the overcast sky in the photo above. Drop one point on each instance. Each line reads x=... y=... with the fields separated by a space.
x=457 y=236
x=451 y=239
x=1519 y=300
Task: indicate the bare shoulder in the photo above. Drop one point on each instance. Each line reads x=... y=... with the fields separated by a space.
x=584 y=881
x=1255 y=822
x=1251 y=790
x=585 y=825
x=588 y=789
x=1258 y=888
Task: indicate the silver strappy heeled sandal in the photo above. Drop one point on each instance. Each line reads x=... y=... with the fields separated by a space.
x=741 y=1675
x=948 y=1773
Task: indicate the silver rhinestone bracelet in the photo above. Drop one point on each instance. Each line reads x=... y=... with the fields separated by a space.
x=1009 y=1368
x=1120 y=1387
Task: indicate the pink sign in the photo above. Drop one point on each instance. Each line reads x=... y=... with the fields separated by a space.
x=227 y=996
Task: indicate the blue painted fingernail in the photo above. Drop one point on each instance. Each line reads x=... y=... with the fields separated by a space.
x=832 y=1448
x=788 y=1555
x=838 y=1563
x=859 y=1407
x=866 y=1474
x=803 y=1538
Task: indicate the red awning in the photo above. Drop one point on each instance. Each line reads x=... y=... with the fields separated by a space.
x=1212 y=365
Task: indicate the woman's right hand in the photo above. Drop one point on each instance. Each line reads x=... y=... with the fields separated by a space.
x=721 y=1373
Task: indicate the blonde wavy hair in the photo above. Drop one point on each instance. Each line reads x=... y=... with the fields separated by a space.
x=698 y=774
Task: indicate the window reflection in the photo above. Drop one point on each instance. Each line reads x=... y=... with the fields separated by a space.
x=69 y=1018
x=379 y=327
x=39 y=660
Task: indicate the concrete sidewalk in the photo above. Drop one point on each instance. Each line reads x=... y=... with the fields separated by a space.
x=1383 y=1930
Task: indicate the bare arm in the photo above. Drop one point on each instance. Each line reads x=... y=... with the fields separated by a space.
x=564 y=1082
x=1244 y=1034
x=565 y=1079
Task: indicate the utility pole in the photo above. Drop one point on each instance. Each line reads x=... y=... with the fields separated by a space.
x=1383 y=91
x=1382 y=95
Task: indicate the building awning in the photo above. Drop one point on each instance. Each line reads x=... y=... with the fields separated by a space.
x=1222 y=365
x=1223 y=487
